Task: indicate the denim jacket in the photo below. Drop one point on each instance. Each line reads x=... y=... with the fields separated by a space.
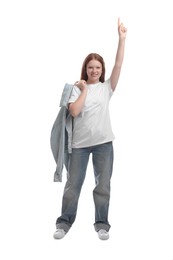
x=61 y=134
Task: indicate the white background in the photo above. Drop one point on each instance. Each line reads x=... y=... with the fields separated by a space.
x=42 y=46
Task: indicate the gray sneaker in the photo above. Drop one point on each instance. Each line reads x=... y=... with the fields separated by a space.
x=59 y=233
x=103 y=234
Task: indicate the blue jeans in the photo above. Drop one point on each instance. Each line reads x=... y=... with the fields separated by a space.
x=102 y=158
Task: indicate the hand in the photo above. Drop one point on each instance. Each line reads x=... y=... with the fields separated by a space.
x=81 y=84
x=122 y=31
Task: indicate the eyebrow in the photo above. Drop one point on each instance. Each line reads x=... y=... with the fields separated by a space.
x=98 y=66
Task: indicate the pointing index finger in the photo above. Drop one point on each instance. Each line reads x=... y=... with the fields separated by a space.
x=118 y=21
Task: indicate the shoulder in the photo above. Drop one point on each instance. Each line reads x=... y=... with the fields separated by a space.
x=107 y=84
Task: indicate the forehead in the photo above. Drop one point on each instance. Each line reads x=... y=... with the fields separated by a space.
x=94 y=63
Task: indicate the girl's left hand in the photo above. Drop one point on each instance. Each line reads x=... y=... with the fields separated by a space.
x=122 y=30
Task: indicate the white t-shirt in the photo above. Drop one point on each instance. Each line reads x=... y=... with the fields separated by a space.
x=92 y=126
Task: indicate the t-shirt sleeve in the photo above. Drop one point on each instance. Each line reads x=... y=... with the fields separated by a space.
x=108 y=84
x=74 y=95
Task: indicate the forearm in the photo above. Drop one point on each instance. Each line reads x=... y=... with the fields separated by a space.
x=120 y=53
x=76 y=107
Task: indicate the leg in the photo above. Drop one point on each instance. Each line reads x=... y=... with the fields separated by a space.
x=76 y=174
x=103 y=165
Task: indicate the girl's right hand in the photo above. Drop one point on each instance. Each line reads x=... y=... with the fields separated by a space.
x=81 y=84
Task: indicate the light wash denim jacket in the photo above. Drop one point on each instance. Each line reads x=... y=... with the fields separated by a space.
x=61 y=134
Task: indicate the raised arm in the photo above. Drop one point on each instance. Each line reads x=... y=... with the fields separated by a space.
x=122 y=31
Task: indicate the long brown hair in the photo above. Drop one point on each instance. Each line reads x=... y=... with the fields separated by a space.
x=93 y=56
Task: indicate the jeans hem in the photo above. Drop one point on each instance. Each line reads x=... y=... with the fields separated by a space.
x=100 y=225
x=63 y=226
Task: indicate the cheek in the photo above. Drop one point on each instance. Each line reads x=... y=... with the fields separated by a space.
x=88 y=72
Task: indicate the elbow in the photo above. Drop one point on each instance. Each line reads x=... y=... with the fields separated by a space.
x=73 y=111
x=74 y=114
x=118 y=65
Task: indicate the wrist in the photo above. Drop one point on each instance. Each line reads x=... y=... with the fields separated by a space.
x=122 y=39
x=84 y=89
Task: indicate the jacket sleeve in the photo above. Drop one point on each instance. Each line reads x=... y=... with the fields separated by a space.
x=58 y=135
x=57 y=141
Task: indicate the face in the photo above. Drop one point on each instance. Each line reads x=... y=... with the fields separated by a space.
x=94 y=71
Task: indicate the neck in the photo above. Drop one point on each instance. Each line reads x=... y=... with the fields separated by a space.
x=92 y=82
